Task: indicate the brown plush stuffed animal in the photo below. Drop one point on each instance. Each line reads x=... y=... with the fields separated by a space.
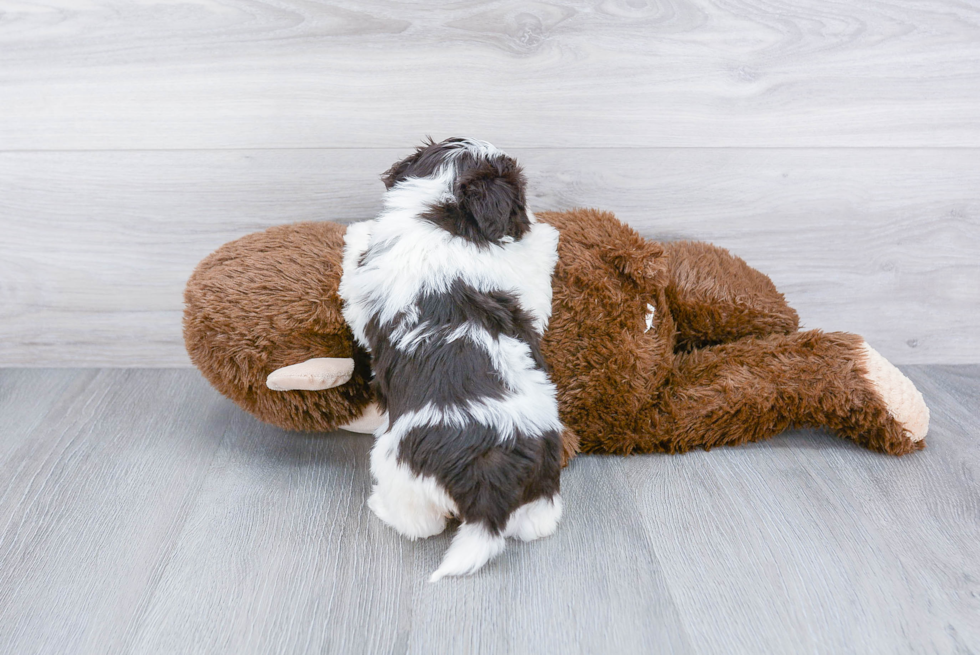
x=654 y=347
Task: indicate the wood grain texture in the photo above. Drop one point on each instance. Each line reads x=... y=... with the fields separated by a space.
x=145 y=514
x=97 y=246
x=205 y=74
x=273 y=549
x=94 y=494
x=827 y=547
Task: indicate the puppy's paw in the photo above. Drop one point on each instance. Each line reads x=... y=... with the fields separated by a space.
x=378 y=507
x=411 y=519
x=535 y=520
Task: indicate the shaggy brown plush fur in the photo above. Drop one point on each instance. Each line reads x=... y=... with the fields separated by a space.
x=268 y=300
x=715 y=297
x=722 y=364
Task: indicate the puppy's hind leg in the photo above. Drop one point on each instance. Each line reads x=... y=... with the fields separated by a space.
x=413 y=505
x=536 y=519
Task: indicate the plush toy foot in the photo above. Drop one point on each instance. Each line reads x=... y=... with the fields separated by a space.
x=312 y=375
x=903 y=400
x=369 y=421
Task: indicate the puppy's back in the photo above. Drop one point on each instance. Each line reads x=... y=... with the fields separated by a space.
x=450 y=288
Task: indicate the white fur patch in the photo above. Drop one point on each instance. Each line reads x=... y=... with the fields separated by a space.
x=422 y=257
x=475 y=146
x=472 y=547
x=651 y=311
x=534 y=520
x=416 y=506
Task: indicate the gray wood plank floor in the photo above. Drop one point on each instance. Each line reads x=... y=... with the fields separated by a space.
x=143 y=513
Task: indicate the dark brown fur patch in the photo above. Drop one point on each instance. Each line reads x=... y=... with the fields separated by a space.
x=491 y=195
x=489 y=199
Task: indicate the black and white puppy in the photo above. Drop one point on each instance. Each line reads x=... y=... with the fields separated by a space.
x=450 y=289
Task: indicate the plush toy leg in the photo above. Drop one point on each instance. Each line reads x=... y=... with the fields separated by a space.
x=754 y=389
x=715 y=297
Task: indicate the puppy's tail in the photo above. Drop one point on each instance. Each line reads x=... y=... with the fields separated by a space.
x=472 y=547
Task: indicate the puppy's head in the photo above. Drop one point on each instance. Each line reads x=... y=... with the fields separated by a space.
x=484 y=196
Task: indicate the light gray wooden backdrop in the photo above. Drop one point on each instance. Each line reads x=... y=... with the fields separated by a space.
x=833 y=145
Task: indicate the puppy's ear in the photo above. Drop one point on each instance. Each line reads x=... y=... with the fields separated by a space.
x=400 y=169
x=491 y=195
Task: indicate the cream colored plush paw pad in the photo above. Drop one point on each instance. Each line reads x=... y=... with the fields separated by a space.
x=312 y=375
x=368 y=422
x=903 y=400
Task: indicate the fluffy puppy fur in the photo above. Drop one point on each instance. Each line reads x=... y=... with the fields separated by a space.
x=450 y=289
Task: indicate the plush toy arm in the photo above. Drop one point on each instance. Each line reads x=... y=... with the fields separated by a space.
x=312 y=375
x=325 y=373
